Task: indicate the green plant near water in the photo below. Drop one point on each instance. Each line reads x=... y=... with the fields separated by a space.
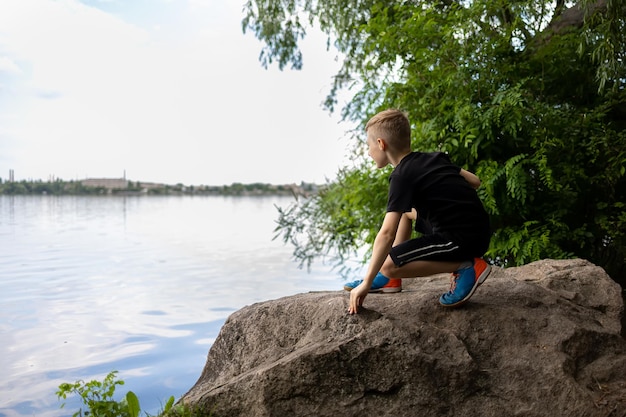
x=98 y=400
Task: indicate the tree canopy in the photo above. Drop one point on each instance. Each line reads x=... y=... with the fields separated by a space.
x=528 y=94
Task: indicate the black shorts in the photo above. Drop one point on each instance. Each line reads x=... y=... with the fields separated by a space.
x=437 y=247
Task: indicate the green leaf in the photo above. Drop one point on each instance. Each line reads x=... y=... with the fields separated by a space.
x=168 y=405
x=133 y=404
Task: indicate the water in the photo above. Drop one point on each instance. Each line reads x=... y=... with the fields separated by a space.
x=140 y=285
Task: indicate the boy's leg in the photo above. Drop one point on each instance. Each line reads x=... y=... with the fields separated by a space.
x=382 y=282
x=422 y=268
x=431 y=255
x=413 y=269
x=466 y=278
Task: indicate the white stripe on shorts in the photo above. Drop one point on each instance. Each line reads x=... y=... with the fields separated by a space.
x=430 y=250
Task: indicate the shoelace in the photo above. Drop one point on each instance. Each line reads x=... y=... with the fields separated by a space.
x=453 y=279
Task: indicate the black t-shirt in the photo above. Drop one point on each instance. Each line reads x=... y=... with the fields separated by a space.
x=444 y=200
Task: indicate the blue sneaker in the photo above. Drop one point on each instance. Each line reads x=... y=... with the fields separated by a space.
x=380 y=284
x=464 y=283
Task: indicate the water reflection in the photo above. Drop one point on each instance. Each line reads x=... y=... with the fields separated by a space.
x=140 y=285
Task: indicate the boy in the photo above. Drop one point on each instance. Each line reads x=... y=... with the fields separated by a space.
x=442 y=199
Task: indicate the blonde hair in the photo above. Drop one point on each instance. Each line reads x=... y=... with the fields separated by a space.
x=393 y=126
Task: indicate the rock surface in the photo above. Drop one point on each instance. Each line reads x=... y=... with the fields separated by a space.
x=538 y=340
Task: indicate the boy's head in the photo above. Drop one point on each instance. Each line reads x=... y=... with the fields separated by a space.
x=393 y=127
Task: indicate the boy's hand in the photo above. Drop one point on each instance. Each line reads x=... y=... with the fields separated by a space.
x=357 y=295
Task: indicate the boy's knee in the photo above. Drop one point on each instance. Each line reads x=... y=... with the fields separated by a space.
x=410 y=215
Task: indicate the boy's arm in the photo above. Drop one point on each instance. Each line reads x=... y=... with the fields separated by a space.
x=382 y=245
x=470 y=177
x=405 y=227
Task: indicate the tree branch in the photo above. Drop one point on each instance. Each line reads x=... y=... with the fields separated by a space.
x=565 y=19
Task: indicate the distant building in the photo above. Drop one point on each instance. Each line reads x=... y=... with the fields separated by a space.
x=150 y=185
x=108 y=183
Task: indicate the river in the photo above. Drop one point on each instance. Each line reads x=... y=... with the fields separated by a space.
x=141 y=285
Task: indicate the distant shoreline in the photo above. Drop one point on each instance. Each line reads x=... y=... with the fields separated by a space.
x=122 y=186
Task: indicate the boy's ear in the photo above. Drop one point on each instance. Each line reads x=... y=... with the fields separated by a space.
x=382 y=144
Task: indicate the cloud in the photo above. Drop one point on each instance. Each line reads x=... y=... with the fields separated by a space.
x=97 y=93
x=49 y=95
x=8 y=66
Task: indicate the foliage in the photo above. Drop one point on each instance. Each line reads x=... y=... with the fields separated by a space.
x=529 y=94
x=98 y=397
x=312 y=232
x=60 y=187
x=56 y=187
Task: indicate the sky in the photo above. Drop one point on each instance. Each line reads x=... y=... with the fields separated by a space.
x=167 y=91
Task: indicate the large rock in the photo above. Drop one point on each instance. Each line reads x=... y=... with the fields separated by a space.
x=538 y=340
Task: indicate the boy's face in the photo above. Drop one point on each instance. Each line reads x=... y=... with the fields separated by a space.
x=376 y=148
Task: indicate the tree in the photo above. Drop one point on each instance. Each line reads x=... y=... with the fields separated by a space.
x=530 y=95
